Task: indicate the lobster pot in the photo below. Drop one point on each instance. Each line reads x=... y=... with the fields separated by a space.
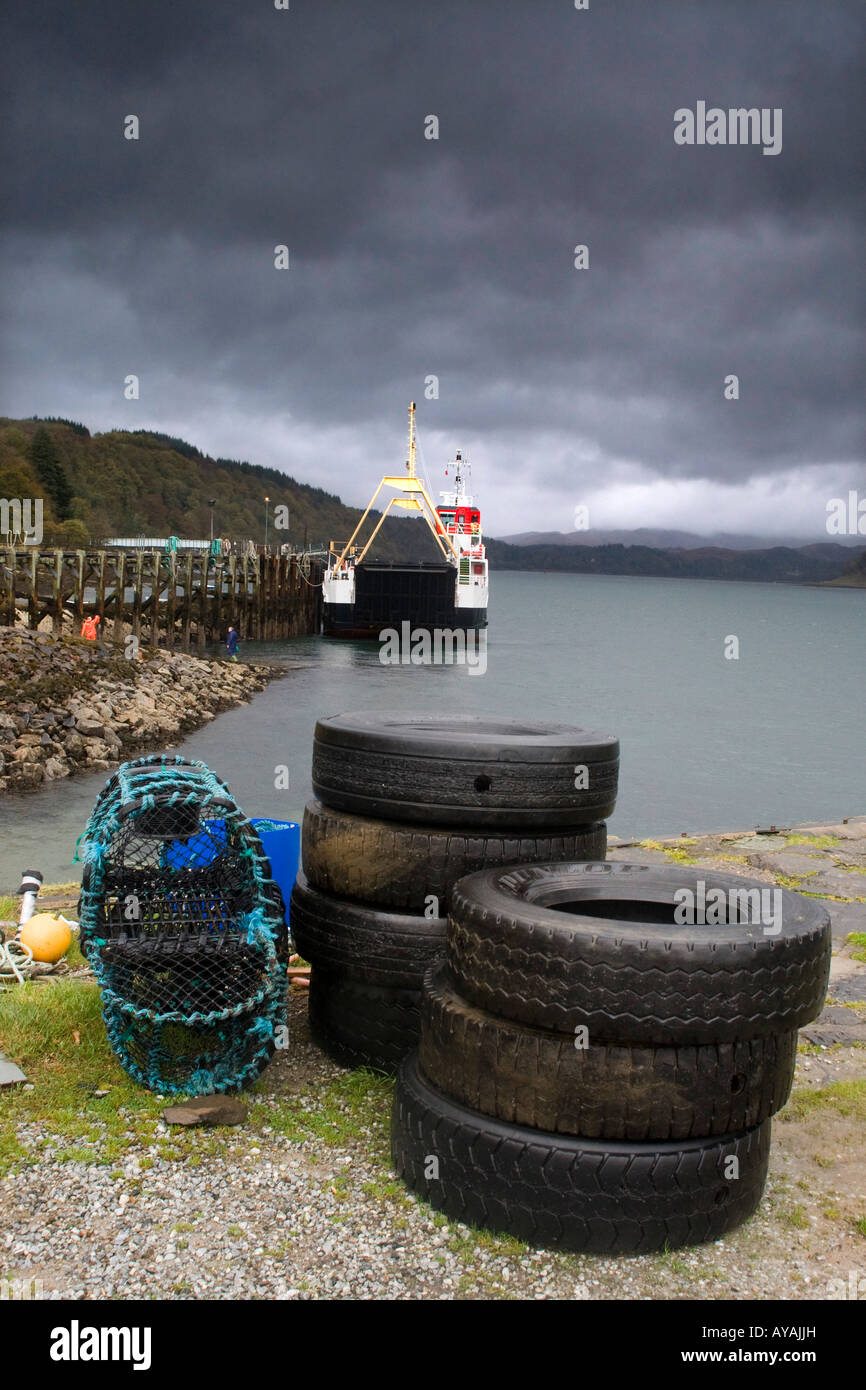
x=185 y=928
x=170 y=1056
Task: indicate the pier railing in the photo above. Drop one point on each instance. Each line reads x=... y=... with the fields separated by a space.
x=179 y=600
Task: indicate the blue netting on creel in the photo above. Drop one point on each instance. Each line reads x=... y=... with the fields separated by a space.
x=184 y=927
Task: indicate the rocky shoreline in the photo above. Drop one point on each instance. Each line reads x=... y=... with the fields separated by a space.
x=68 y=706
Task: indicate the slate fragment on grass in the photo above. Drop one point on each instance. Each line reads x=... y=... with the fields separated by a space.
x=207 y=1110
x=10 y=1074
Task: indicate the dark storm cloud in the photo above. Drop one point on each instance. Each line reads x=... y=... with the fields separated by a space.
x=454 y=256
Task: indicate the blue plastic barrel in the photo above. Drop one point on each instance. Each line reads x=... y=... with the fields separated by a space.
x=281 y=842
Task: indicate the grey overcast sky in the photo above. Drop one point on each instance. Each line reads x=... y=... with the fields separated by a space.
x=410 y=256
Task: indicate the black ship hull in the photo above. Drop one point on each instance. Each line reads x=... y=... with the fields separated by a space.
x=390 y=593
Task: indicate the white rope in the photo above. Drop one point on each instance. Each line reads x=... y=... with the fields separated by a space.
x=16 y=961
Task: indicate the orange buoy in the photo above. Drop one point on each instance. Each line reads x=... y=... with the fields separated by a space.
x=48 y=937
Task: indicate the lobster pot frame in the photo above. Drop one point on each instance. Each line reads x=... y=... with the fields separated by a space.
x=194 y=1058
x=184 y=927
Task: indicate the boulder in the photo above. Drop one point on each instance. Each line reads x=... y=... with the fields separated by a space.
x=56 y=768
x=74 y=746
x=26 y=774
x=97 y=752
x=24 y=753
x=89 y=724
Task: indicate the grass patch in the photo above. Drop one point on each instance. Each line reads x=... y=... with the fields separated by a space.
x=816 y=841
x=796 y=1217
x=676 y=853
x=793 y=881
x=858 y=939
x=56 y=1035
x=859 y=1225
x=831 y=897
x=502 y=1245
x=386 y=1189
x=846 y=1098
x=466 y=1245
x=354 y=1107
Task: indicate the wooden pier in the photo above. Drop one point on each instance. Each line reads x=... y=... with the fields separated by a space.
x=180 y=600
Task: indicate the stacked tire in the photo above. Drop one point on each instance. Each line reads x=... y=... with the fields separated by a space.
x=405 y=806
x=595 y=1076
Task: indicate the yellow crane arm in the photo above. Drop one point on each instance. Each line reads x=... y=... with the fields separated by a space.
x=408 y=485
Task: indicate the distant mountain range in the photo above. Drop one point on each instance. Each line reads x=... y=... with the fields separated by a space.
x=817 y=563
x=674 y=540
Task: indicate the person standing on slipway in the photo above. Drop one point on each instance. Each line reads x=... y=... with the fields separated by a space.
x=232 y=644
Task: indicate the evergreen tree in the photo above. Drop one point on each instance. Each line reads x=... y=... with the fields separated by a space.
x=45 y=459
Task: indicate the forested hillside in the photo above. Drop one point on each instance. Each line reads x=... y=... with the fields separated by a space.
x=133 y=483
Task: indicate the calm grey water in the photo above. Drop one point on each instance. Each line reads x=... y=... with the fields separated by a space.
x=778 y=735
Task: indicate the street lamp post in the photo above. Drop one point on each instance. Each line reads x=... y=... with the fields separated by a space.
x=267 y=500
x=211 y=504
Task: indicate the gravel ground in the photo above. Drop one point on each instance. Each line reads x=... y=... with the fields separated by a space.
x=257 y=1214
x=301 y=1203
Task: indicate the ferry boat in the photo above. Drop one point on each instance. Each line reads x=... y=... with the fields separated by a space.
x=361 y=596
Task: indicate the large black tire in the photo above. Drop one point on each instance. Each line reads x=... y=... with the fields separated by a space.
x=574 y=1194
x=380 y=948
x=523 y=945
x=362 y=1025
x=397 y=867
x=462 y=770
x=530 y=1077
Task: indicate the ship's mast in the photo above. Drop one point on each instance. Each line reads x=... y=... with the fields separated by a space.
x=458 y=476
x=410 y=462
